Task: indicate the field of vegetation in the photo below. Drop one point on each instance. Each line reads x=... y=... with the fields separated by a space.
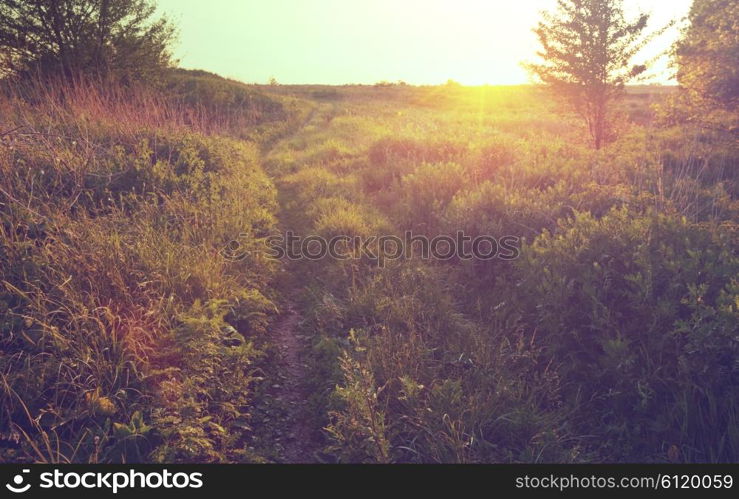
x=612 y=337
x=130 y=333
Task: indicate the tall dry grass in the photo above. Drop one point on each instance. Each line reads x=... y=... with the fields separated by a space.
x=114 y=205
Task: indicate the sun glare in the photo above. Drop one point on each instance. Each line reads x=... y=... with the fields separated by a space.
x=473 y=42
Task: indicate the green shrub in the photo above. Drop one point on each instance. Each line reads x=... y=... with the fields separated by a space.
x=639 y=312
x=423 y=195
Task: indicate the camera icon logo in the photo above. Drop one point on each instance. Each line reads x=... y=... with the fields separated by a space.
x=17 y=486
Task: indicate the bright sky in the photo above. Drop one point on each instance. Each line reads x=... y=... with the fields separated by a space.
x=366 y=41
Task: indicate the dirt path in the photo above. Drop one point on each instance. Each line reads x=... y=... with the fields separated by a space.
x=291 y=349
x=285 y=427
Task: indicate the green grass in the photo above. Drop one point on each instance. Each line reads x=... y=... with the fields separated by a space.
x=127 y=336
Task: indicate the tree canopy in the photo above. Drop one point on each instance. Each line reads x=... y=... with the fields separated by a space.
x=587 y=49
x=119 y=38
x=708 y=55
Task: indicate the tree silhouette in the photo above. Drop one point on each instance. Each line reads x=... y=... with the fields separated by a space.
x=708 y=57
x=70 y=37
x=587 y=48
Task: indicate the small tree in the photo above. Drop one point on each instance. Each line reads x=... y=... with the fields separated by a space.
x=708 y=56
x=587 y=51
x=70 y=37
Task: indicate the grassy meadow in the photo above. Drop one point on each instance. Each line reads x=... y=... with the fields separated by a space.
x=128 y=335
x=611 y=338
